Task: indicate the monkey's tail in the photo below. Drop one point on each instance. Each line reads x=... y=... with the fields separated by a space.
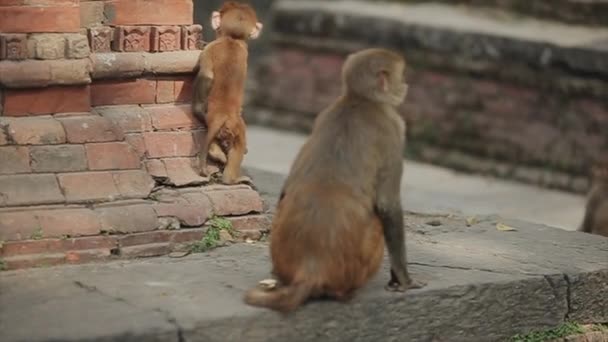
x=283 y=299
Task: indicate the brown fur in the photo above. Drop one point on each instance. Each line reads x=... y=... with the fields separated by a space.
x=596 y=211
x=219 y=86
x=341 y=201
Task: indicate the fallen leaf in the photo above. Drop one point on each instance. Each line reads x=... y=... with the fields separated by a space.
x=471 y=221
x=505 y=228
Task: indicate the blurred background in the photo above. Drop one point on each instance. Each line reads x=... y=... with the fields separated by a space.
x=508 y=101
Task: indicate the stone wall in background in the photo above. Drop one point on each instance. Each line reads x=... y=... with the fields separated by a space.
x=97 y=139
x=523 y=109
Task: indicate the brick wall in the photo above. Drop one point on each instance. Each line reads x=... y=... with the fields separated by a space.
x=477 y=102
x=97 y=140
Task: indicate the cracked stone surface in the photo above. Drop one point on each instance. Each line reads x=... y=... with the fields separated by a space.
x=483 y=284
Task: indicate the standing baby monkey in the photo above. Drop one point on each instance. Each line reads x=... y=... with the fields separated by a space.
x=219 y=87
x=596 y=213
x=341 y=201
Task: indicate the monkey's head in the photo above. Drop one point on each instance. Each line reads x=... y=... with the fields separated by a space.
x=599 y=171
x=236 y=20
x=377 y=75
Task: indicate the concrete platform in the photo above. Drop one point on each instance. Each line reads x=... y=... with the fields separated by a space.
x=483 y=285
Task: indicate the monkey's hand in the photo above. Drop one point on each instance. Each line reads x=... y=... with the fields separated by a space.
x=396 y=285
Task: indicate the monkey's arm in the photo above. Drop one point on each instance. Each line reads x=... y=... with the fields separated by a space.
x=202 y=85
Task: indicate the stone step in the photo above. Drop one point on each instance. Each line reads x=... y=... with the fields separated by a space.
x=483 y=284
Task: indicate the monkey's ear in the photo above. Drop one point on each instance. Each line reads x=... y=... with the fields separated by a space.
x=216 y=20
x=383 y=80
x=257 y=30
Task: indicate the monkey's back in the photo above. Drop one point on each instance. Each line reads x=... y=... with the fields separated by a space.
x=325 y=230
x=229 y=58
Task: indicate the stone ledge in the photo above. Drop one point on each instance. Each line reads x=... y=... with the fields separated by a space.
x=483 y=284
x=136 y=64
x=466 y=34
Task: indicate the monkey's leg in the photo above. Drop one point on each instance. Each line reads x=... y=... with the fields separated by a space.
x=212 y=131
x=232 y=171
x=394 y=236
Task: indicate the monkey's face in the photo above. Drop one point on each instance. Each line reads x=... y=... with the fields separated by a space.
x=396 y=86
x=600 y=173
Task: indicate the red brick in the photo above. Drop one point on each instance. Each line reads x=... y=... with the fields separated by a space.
x=82 y=256
x=58 y=158
x=172 y=117
x=91 y=13
x=70 y=222
x=88 y=186
x=187 y=235
x=171 y=144
x=166 y=38
x=112 y=156
x=29 y=190
x=192 y=210
x=36 y=73
x=90 y=128
x=137 y=143
x=23 y=19
x=130 y=118
x=13 y=46
x=30 y=261
x=128 y=218
x=134 y=184
x=165 y=91
x=100 y=38
x=14 y=159
x=17 y=225
x=58 y=245
x=36 y=131
x=156 y=168
x=131 y=39
x=139 y=91
x=192 y=36
x=145 y=238
x=47 y=101
x=146 y=251
x=183 y=90
x=183 y=171
x=251 y=223
x=151 y=12
x=237 y=201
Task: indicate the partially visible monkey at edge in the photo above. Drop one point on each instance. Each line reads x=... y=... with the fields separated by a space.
x=596 y=211
x=341 y=202
x=219 y=87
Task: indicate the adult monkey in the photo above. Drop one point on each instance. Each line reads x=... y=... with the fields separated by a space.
x=341 y=201
x=219 y=87
x=596 y=211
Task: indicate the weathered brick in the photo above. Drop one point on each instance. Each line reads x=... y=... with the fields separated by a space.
x=131 y=119
x=128 y=218
x=192 y=36
x=151 y=12
x=170 y=63
x=134 y=184
x=49 y=100
x=172 y=117
x=145 y=238
x=118 y=65
x=166 y=38
x=37 y=73
x=77 y=46
x=88 y=186
x=183 y=171
x=58 y=158
x=35 y=131
x=131 y=39
x=255 y=223
x=156 y=168
x=23 y=19
x=82 y=256
x=15 y=248
x=192 y=210
x=187 y=235
x=146 y=251
x=91 y=128
x=70 y=222
x=112 y=156
x=30 y=261
x=17 y=225
x=91 y=13
x=29 y=190
x=13 y=46
x=137 y=143
x=139 y=91
x=47 y=46
x=165 y=90
x=172 y=144
x=100 y=38
x=183 y=90
x=14 y=159
x=235 y=201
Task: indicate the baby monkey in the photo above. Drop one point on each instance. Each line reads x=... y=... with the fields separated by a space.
x=341 y=202
x=596 y=212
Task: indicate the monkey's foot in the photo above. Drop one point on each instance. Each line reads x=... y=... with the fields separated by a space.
x=394 y=286
x=239 y=180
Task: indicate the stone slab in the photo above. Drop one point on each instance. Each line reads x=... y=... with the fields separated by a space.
x=483 y=284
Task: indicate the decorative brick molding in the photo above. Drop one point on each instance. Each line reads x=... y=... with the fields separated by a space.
x=97 y=139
